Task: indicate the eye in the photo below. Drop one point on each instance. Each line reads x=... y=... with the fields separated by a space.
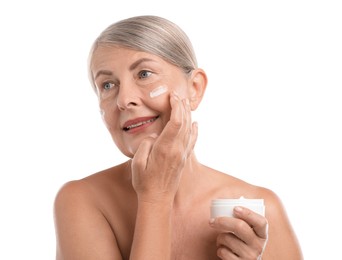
x=108 y=85
x=144 y=74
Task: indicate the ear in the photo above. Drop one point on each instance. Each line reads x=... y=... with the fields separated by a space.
x=197 y=85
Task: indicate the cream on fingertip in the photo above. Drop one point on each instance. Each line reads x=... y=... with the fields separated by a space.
x=154 y=135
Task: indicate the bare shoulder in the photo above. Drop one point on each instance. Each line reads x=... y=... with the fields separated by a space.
x=72 y=196
x=78 y=193
x=282 y=240
x=71 y=190
x=234 y=187
x=230 y=186
x=80 y=223
x=96 y=187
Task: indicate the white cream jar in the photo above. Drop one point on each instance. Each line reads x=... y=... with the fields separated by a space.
x=225 y=207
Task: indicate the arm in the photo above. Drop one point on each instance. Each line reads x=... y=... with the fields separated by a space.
x=153 y=231
x=156 y=171
x=82 y=232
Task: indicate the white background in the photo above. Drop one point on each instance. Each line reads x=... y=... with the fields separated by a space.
x=271 y=114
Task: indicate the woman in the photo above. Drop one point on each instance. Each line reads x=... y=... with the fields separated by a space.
x=156 y=205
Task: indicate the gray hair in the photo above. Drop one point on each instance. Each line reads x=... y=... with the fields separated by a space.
x=151 y=34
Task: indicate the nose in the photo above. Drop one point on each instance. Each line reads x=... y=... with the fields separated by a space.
x=127 y=97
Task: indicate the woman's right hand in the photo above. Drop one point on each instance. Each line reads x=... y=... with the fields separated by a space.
x=158 y=162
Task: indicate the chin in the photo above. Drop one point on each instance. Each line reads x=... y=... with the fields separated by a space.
x=129 y=150
x=130 y=154
x=129 y=145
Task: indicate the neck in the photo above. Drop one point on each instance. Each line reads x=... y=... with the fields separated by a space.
x=192 y=177
x=190 y=182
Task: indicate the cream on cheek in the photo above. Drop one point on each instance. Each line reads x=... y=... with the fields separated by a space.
x=104 y=120
x=158 y=91
x=102 y=113
x=155 y=97
x=160 y=98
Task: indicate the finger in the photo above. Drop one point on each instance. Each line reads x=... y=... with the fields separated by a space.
x=193 y=138
x=257 y=222
x=186 y=129
x=238 y=227
x=174 y=125
x=230 y=241
x=140 y=158
x=236 y=245
x=187 y=114
x=226 y=253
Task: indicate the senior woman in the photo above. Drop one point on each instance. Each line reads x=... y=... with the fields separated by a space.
x=156 y=204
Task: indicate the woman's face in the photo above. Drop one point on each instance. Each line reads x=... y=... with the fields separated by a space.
x=124 y=79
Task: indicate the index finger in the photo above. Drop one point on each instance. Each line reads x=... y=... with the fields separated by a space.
x=174 y=125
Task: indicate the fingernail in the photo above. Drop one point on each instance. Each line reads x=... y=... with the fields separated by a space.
x=211 y=221
x=238 y=209
x=154 y=135
x=175 y=95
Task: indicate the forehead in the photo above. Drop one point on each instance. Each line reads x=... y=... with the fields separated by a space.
x=121 y=55
x=117 y=58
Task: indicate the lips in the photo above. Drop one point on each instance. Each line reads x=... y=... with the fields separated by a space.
x=138 y=122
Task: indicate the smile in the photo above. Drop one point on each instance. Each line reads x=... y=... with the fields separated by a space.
x=138 y=124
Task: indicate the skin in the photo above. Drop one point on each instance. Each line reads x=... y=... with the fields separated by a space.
x=156 y=205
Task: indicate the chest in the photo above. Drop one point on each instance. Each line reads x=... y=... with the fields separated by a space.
x=193 y=238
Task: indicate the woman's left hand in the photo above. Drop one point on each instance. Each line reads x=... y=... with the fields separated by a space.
x=241 y=237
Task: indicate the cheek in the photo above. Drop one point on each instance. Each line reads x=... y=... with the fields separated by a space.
x=180 y=88
x=106 y=121
x=162 y=105
x=160 y=101
x=108 y=115
x=183 y=91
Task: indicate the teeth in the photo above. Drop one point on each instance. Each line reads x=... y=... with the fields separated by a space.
x=139 y=124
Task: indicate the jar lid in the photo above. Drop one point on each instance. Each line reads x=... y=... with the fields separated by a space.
x=234 y=202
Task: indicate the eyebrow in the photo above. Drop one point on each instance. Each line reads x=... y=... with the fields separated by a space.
x=103 y=72
x=133 y=66
x=138 y=62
